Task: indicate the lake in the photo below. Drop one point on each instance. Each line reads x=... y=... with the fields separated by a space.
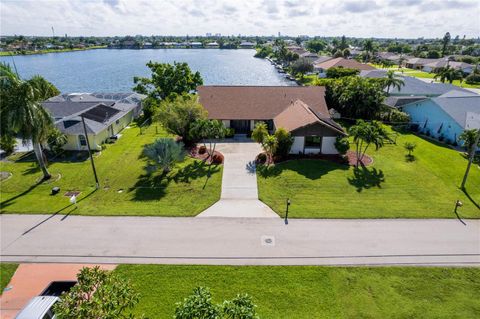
x=112 y=70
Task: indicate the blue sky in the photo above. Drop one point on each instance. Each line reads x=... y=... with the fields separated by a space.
x=360 y=18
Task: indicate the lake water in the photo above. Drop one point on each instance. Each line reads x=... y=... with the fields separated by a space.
x=109 y=70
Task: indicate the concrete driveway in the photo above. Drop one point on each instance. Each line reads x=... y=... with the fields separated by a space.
x=239 y=183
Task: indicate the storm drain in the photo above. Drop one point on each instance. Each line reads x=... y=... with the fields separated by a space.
x=267 y=240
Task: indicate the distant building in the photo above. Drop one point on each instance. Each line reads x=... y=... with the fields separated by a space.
x=322 y=67
x=213 y=45
x=247 y=45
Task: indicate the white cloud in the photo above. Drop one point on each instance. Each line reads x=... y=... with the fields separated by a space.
x=361 y=18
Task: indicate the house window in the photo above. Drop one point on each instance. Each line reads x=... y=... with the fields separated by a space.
x=82 y=140
x=313 y=141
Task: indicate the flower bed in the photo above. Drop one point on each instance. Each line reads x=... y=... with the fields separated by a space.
x=194 y=152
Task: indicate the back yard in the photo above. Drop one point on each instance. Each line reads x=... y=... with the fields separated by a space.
x=314 y=292
x=125 y=188
x=393 y=187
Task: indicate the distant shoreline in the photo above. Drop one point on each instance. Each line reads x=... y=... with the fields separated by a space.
x=29 y=52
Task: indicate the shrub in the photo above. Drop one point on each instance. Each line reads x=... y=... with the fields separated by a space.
x=261 y=158
x=202 y=149
x=7 y=143
x=229 y=132
x=397 y=116
x=217 y=159
x=473 y=79
x=284 y=142
x=56 y=141
x=342 y=144
x=164 y=153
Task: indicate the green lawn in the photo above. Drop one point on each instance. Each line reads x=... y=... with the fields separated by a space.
x=427 y=75
x=6 y=272
x=391 y=188
x=315 y=292
x=126 y=189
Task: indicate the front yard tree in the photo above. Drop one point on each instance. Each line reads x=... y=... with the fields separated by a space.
x=21 y=110
x=471 y=140
x=167 y=81
x=356 y=97
x=284 y=142
x=302 y=66
x=210 y=130
x=268 y=142
x=164 y=153
x=97 y=294
x=179 y=114
x=367 y=133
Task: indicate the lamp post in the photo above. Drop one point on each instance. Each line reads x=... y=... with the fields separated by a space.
x=458 y=203
x=286 y=214
x=97 y=184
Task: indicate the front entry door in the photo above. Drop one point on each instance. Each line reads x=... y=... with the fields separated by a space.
x=240 y=126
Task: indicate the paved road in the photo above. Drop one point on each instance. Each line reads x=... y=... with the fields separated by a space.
x=261 y=241
x=239 y=196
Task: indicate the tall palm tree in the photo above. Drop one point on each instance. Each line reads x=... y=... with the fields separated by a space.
x=22 y=112
x=448 y=74
x=394 y=81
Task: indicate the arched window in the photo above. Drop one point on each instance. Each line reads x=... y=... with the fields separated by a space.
x=82 y=140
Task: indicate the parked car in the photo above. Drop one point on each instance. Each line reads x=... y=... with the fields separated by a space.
x=41 y=307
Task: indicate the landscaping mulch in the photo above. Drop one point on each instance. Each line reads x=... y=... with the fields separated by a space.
x=352 y=159
x=193 y=152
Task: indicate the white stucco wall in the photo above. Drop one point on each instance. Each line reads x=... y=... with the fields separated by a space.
x=328 y=145
x=226 y=123
x=297 y=146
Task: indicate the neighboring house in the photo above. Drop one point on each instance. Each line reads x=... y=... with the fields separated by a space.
x=309 y=56
x=196 y=44
x=442 y=63
x=213 y=45
x=106 y=114
x=322 y=67
x=321 y=59
x=416 y=87
x=418 y=63
x=300 y=110
x=296 y=49
x=247 y=45
x=446 y=116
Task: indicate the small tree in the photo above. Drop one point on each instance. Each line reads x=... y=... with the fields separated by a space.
x=179 y=114
x=410 y=147
x=302 y=66
x=208 y=129
x=367 y=133
x=56 y=140
x=393 y=81
x=268 y=142
x=97 y=294
x=284 y=142
x=7 y=143
x=240 y=307
x=164 y=153
x=260 y=132
x=342 y=144
x=471 y=140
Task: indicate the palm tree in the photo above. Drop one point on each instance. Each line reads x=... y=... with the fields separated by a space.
x=471 y=140
x=22 y=112
x=392 y=80
x=368 y=47
x=448 y=74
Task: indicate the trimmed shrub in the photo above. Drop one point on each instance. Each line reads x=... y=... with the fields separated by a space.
x=284 y=142
x=202 y=149
x=7 y=143
x=217 y=159
x=229 y=132
x=342 y=144
x=473 y=79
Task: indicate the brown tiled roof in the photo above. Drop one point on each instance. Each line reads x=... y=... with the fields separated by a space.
x=346 y=63
x=258 y=102
x=298 y=115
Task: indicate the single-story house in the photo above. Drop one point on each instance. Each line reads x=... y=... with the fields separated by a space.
x=247 y=45
x=418 y=63
x=309 y=56
x=300 y=110
x=442 y=63
x=447 y=115
x=322 y=67
x=374 y=74
x=212 y=45
x=416 y=87
x=296 y=49
x=105 y=114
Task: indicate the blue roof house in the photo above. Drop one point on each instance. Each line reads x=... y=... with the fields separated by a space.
x=446 y=116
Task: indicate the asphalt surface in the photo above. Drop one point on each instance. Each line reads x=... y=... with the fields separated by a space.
x=238 y=241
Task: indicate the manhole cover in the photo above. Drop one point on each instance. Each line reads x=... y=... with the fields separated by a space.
x=72 y=193
x=267 y=240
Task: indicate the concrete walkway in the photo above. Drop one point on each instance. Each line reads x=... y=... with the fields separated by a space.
x=239 y=183
x=239 y=241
